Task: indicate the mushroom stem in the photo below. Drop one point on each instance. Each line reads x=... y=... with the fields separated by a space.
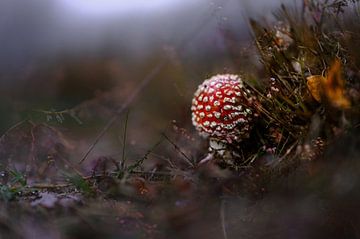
x=209 y=157
x=217 y=146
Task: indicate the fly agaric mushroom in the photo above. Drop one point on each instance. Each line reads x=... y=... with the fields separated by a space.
x=223 y=108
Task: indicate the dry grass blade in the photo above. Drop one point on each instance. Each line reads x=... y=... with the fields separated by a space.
x=187 y=159
x=123 y=159
x=222 y=218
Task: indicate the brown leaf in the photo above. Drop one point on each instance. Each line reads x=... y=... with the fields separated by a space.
x=331 y=87
x=314 y=86
x=334 y=87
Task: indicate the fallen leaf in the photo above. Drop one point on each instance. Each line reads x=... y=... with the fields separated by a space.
x=331 y=87
x=334 y=87
x=314 y=86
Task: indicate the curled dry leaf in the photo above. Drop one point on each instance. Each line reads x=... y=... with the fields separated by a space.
x=331 y=87
x=334 y=87
x=314 y=86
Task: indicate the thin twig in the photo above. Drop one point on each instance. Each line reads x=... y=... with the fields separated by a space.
x=222 y=218
x=187 y=159
x=12 y=128
x=140 y=161
x=123 y=159
x=49 y=186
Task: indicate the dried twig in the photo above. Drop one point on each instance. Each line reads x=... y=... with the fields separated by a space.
x=12 y=128
x=222 y=218
x=187 y=159
x=123 y=159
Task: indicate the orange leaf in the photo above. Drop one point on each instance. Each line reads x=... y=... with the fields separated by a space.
x=334 y=87
x=331 y=87
x=314 y=86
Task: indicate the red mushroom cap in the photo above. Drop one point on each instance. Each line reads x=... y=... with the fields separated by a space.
x=224 y=108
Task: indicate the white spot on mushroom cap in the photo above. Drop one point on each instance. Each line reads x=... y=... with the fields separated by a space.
x=228 y=107
x=229 y=92
x=213 y=124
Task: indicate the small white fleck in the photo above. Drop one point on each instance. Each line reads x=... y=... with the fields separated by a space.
x=233 y=77
x=218 y=85
x=227 y=107
x=230 y=92
x=208 y=107
x=233 y=115
x=209 y=116
x=200 y=98
x=216 y=103
x=206 y=99
x=206 y=123
x=200 y=107
x=232 y=100
x=197 y=93
x=217 y=115
x=202 y=114
x=218 y=94
x=239 y=108
x=211 y=98
x=213 y=124
x=274 y=89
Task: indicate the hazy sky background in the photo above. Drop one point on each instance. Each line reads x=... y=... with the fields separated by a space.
x=35 y=29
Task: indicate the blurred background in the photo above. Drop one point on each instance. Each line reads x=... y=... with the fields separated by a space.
x=67 y=66
x=90 y=55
